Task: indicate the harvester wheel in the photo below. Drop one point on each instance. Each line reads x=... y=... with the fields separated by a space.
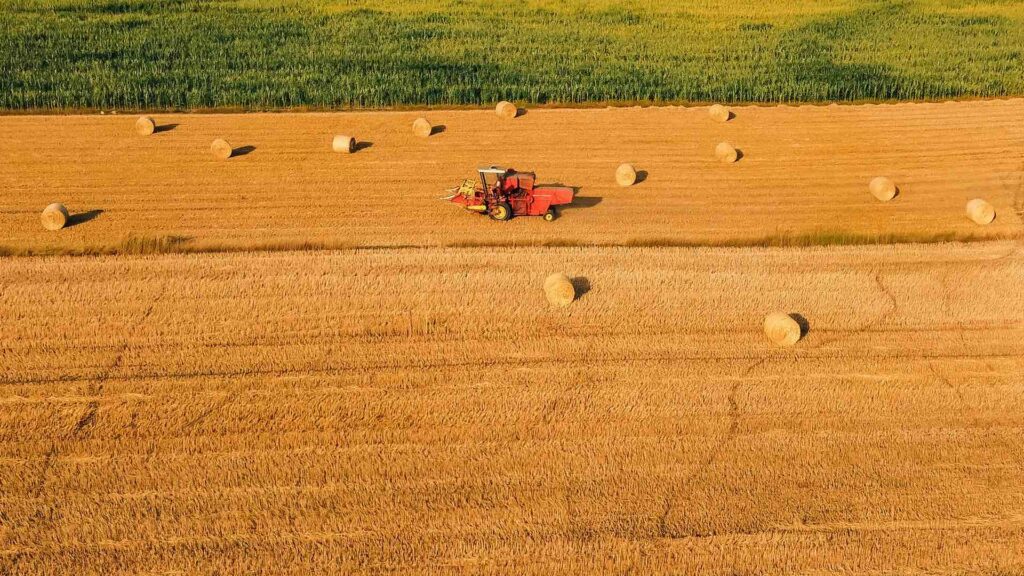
x=501 y=211
x=549 y=215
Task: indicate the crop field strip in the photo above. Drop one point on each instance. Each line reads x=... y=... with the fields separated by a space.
x=425 y=411
x=804 y=171
x=279 y=54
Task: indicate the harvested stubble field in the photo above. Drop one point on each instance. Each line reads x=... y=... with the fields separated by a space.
x=804 y=172
x=425 y=411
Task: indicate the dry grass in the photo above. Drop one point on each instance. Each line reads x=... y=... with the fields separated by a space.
x=376 y=411
x=132 y=245
x=804 y=169
x=138 y=245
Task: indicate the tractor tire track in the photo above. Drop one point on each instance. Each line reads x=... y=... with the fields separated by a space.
x=1018 y=199
x=202 y=416
x=1015 y=186
x=720 y=448
x=44 y=471
x=1009 y=447
x=893 y=304
x=947 y=308
x=892 y=308
x=1018 y=205
x=83 y=428
x=666 y=359
x=1018 y=193
x=39 y=516
x=946 y=382
x=735 y=414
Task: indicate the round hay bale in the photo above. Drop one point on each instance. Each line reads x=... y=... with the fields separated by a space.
x=625 y=175
x=343 y=144
x=145 y=126
x=726 y=153
x=883 y=188
x=221 y=149
x=559 y=290
x=980 y=212
x=719 y=113
x=782 y=329
x=422 y=128
x=506 y=110
x=54 y=216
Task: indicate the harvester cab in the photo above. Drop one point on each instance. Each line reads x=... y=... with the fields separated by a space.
x=503 y=193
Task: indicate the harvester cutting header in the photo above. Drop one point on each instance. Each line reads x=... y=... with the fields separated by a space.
x=503 y=193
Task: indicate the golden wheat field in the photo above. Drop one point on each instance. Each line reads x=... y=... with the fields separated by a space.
x=804 y=170
x=424 y=411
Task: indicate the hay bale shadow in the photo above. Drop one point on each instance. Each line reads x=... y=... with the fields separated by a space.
x=242 y=151
x=362 y=146
x=739 y=154
x=732 y=115
x=439 y=129
x=641 y=175
x=520 y=112
x=805 y=326
x=82 y=217
x=581 y=285
x=165 y=128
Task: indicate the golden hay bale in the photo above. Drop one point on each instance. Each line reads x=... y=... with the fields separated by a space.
x=719 y=113
x=54 y=216
x=422 y=128
x=221 y=149
x=980 y=212
x=782 y=329
x=726 y=153
x=559 y=290
x=344 y=144
x=883 y=188
x=506 y=110
x=625 y=175
x=145 y=126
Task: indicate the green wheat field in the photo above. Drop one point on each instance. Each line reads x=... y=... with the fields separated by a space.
x=280 y=54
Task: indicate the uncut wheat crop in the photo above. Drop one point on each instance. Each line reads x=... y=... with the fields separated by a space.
x=273 y=54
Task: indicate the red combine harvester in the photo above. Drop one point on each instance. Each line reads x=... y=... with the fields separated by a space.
x=502 y=194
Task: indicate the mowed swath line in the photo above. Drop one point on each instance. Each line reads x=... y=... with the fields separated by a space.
x=804 y=169
x=424 y=411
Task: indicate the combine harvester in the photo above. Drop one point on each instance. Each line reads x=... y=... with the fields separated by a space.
x=502 y=194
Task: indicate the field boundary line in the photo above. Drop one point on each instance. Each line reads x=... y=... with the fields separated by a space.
x=551 y=105
x=146 y=246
